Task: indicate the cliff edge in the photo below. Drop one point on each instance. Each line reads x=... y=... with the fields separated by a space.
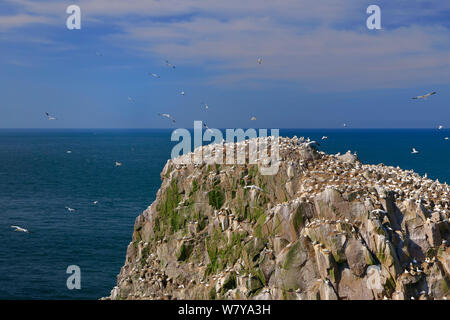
x=323 y=227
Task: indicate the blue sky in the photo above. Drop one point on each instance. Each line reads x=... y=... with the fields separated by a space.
x=321 y=65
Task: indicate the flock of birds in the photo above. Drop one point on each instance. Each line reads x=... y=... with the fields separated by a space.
x=204 y=105
x=440 y=127
x=69 y=209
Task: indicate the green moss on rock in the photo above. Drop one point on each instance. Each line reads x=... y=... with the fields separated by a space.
x=216 y=198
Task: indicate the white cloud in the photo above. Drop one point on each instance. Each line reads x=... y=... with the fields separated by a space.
x=322 y=57
x=21 y=20
x=298 y=40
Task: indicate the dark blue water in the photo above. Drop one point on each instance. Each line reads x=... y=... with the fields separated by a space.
x=38 y=179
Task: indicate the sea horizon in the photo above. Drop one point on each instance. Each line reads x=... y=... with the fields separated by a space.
x=168 y=129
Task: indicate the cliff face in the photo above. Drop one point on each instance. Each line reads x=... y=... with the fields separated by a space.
x=324 y=227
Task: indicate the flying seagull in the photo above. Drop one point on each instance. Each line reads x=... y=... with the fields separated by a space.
x=259 y=60
x=253 y=187
x=345 y=125
x=324 y=138
x=425 y=96
x=206 y=127
x=414 y=151
x=182 y=92
x=312 y=143
x=155 y=75
x=170 y=65
x=205 y=105
x=50 y=117
x=19 y=229
x=446 y=138
x=118 y=164
x=68 y=151
x=70 y=209
x=166 y=115
x=440 y=127
x=95 y=202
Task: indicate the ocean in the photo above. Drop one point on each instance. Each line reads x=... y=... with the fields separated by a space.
x=39 y=179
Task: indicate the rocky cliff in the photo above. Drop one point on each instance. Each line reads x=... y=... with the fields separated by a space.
x=324 y=227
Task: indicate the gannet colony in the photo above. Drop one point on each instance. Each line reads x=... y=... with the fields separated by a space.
x=323 y=227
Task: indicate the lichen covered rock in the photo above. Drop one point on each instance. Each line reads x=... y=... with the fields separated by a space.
x=322 y=227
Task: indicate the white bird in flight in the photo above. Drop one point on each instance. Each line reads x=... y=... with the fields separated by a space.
x=70 y=209
x=118 y=164
x=182 y=92
x=312 y=143
x=414 y=151
x=324 y=138
x=205 y=105
x=345 y=125
x=259 y=60
x=95 y=202
x=440 y=127
x=253 y=187
x=68 y=152
x=19 y=229
x=446 y=138
x=155 y=75
x=169 y=64
x=166 y=115
x=50 y=117
x=425 y=96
